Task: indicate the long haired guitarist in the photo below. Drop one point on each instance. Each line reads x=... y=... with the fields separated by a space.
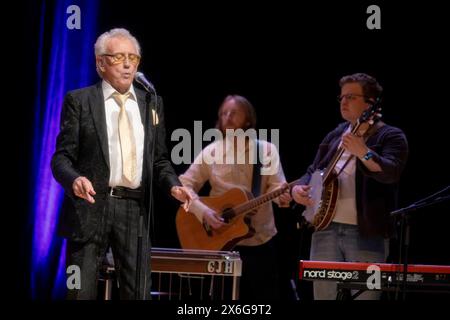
x=226 y=224
x=350 y=188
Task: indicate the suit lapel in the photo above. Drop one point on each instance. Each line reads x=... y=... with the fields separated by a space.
x=97 y=106
x=140 y=95
x=145 y=107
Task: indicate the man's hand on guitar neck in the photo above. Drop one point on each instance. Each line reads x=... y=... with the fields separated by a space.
x=211 y=218
x=354 y=145
x=301 y=195
x=357 y=147
x=285 y=198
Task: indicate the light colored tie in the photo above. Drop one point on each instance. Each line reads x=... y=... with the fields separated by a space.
x=126 y=138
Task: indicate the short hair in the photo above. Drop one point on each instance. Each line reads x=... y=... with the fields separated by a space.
x=370 y=86
x=245 y=105
x=100 y=44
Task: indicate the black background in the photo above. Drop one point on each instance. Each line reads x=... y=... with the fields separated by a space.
x=287 y=60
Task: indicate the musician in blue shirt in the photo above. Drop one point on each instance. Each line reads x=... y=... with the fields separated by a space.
x=365 y=178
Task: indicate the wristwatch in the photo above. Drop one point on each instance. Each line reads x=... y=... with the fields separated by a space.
x=367 y=156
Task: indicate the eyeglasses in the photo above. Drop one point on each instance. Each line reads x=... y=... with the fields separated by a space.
x=228 y=113
x=118 y=58
x=349 y=97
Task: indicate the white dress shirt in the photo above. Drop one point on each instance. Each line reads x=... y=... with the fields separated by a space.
x=346 y=202
x=112 y=110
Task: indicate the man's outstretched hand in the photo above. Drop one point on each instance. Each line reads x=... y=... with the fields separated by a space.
x=83 y=188
x=183 y=195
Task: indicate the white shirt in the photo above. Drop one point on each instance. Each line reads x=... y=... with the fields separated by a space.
x=346 y=202
x=112 y=110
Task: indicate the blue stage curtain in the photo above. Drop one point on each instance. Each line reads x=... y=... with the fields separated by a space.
x=66 y=61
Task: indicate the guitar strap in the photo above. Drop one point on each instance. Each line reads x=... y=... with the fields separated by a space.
x=256 y=179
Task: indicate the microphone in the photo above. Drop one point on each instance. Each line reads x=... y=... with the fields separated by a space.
x=139 y=77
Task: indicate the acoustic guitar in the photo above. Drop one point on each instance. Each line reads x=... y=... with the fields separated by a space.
x=236 y=206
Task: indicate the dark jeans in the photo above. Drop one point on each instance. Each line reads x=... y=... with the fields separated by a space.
x=260 y=279
x=118 y=228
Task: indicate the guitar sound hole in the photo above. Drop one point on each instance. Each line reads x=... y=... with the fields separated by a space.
x=227 y=215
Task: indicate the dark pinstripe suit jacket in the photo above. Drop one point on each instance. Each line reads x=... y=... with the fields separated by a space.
x=82 y=150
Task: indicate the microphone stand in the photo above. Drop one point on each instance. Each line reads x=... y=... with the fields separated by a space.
x=404 y=214
x=148 y=122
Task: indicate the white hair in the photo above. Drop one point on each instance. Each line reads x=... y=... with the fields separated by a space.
x=100 y=44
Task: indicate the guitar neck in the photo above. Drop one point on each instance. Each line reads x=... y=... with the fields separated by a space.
x=262 y=199
x=337 y=155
